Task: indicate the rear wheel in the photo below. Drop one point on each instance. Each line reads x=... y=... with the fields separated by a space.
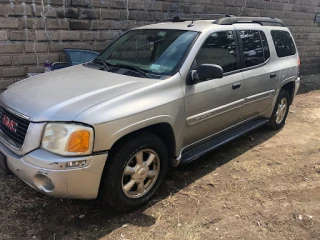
x=134 y=171
x=280 y=111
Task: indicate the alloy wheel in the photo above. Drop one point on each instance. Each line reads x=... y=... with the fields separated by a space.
x=281 y=111
x=140 y=173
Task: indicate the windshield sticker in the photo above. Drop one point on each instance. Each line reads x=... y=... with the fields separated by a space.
x=154 y=67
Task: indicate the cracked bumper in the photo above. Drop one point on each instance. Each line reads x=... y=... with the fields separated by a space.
x=46 y=173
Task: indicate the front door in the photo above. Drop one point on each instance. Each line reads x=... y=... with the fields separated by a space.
x=216 y=104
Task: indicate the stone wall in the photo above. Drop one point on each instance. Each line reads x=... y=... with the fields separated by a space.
x=33 y=31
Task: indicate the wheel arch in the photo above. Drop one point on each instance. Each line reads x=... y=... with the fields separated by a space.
x=290 y=88
x=163 y=130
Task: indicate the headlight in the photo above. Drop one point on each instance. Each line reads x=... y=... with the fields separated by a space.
x=67 y=139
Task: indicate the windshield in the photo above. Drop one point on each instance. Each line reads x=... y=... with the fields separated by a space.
x=150 y=51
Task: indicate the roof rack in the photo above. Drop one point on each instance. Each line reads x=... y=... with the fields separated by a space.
x=264 y=21
x=178 y=19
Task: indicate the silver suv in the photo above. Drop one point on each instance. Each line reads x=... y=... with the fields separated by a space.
x=159 y=96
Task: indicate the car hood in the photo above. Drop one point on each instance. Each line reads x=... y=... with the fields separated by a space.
x=62 y=95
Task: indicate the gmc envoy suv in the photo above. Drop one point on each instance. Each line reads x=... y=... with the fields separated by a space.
x=159 y=96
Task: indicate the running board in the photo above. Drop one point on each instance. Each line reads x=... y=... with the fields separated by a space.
x=213 y=144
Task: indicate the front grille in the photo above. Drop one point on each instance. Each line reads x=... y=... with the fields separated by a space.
x=21 y=130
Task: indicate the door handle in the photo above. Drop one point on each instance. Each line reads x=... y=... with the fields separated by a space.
x=273 y=75
x=236 y=85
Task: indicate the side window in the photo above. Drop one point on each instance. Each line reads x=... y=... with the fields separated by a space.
x=265 y=46
x=283 y=43
x=220 y=49
x=252 y=48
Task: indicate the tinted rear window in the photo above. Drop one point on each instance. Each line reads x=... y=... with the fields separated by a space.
x=252 y=45
x=283 y=43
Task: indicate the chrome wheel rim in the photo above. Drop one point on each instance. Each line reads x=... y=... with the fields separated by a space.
x=140 y=173
x=282 y=110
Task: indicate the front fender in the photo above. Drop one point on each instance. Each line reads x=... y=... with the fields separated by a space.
x=125 y=130
x=106 y=134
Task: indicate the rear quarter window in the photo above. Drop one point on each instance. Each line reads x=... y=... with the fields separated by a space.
x=283 y=43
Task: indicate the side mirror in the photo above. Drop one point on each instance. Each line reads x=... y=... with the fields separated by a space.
x=205 y=72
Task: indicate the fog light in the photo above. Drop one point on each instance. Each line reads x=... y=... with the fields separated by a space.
x=76 y=164
x=43 y=183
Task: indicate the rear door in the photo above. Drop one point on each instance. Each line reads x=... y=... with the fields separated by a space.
x=261 y=79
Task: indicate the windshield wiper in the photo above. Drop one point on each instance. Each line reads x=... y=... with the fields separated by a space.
x=129 y=67
x=102 y=63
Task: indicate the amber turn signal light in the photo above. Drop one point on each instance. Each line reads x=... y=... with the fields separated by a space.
x=79 y=141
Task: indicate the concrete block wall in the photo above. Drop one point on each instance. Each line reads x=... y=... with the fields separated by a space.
x=33 y=31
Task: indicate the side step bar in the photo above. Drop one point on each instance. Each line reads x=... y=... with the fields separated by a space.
x=213 y=144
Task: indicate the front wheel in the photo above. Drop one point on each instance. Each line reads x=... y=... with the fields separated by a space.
x=280 y=112
x=134 y=171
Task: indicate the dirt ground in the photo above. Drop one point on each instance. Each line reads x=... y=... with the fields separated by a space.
x=265 y=185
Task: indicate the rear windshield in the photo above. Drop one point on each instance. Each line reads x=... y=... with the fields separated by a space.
x=283 y=43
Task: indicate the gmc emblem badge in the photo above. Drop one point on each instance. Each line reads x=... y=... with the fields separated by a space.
x=12 y=125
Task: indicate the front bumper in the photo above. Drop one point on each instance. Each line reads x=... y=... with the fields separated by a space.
x=46 y=173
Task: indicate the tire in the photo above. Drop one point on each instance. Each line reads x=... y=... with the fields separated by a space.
x=117 y=187
x=278 y=117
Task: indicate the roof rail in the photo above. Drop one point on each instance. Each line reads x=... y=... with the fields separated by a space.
x=178 y=19
x=264 y=21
